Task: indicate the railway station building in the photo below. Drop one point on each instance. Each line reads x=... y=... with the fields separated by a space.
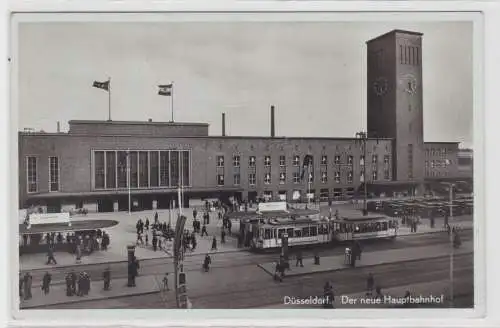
x=95 y=164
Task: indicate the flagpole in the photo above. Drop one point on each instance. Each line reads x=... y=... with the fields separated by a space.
x=172 y=101
x=109 y=98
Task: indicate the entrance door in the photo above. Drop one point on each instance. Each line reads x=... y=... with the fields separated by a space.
x=105 y=205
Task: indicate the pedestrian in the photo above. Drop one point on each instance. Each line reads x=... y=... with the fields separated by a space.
x=195 y=212
x=206 y=263
x=50 y=255
x=204 y=230
x=147 y=224
x=73 y=280
x=147 y=239
x=299 y=259
x=28 y=280
x=159 y=242
x=86 y=279
x=370 y=282
x=67 y=278
x=47 y=278
x=80 y=284
x=156 y=216
x=277 y=272
x=193 y=244
x=223 y=237
x=165 y=282
x=139 y=238
x=214 y=244
x=106 y=275
x=378 y=292
x=229 y=225
x=21 y=285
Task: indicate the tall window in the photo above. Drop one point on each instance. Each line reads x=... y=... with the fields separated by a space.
x=296 y=160
x=143 y=169
x=236 y=179
x=296 y=177
x=282 y=178
x=324 y=160
x=251 y=161
x=324 y=177
x=31 y=172
x=122 y=169
x=220 y=161
x=267 y=160
x=374 y=159
x=374 y=175
x=53 y=173
x=282 y=160
x=349 y=177
x=350 y=160
x=164 y=169
x=362 y=160
x=153 y=169
x=311 y=177
x=387 y=174
x=110 y=170
x=337 y=177
x=174 y=169
x=386 y=159
x=220 y=179
x=251 y=179
x=100 y=169
x=267 y=178
x=186 y=168
x=133 y=169
x=337 y=159
x=236 y=160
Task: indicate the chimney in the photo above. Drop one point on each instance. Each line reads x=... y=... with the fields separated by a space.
x=58 y=127
x=272 y=121
x=223 y=124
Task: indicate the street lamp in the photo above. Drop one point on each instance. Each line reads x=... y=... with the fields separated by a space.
x=362 y=137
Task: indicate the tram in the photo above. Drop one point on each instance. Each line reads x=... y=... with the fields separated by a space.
x=300 y=231
x=364 y=227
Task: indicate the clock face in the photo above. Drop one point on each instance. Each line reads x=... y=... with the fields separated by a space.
x=380 y=86
x=409 y=83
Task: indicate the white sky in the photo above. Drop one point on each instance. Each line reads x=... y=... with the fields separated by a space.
x=314 y=73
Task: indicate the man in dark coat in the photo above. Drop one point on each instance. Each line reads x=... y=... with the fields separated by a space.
x=73 y=280
x=106 y=275
x=27 y=281
x=206 y=263
x=204 y=231
x=69 y=291
x=299 y=259
x=50 y=255
x=47 y=278
x=223 y=237
x=214 y=244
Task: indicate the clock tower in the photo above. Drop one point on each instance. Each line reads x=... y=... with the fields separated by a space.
x=394 y=99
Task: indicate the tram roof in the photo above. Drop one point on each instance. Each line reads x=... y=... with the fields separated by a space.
x=84 y=225
x=372 y=218
x=274 y=214
x=294 y=222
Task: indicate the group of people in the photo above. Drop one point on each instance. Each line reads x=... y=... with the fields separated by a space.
x=77 y=285
x=160 y=233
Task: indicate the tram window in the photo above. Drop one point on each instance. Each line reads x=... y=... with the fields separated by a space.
x=305 y=232
x=313 y=231
x=357 y=228
x=297 y=233
x=281 y=232
x=384 y=226
x=289 y=231
x=274 y=232
x=267 y=234
x=257 y=233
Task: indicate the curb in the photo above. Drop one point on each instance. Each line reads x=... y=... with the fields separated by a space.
x=72 y=301
x=364 y=266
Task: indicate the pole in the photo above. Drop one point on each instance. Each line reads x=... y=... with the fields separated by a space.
x=109 y=99
x=451 y=247
x=172 y=101
x=309 y=186
x=365 y=209
x=129 y=182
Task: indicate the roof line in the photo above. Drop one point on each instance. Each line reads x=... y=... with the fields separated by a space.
x=394 y=32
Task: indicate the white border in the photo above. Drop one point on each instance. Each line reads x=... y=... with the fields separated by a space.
x=307 y=317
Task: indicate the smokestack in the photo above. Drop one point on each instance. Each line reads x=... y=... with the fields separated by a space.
x=223 y=124
x=58 y=127
x=272 y=121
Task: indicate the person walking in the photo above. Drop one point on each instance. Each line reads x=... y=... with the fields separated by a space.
x=299 y=259
x=165 y=282
x=47 y=278
x=222 y=237
x=214 y=244
x=106 y=275
x=370 y=282
x=28 y=280
x=204 y=231
x=206 y=263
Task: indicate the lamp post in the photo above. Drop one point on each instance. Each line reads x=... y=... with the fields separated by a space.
x=362 y=138
x=451 y=186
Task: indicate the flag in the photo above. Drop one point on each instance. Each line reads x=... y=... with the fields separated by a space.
x=101 y=85
x=165 y=90
x=308 y=161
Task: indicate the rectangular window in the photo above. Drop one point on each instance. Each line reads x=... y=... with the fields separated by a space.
x=122 y=168
x=374 y=176
x=337 y=159
x=174 y=168
x=324 y=177
x=32 y=173
x=350 y=160
x=324 y=160
x=296 y=160
x=387 y=175
x=311 y=177
x=296 y=177
x=282 y=178
x=400 y=54
x=99 y=169
x=374 y=159
x=53 y=173
x=362 y=176
x=349 y=177
x=282 y=160
x=236 y=161
x=236 y=179
x=362 y=160
x=220 y=161
x=267 y=161
x=418 y=56
x=220 y=179
x=323 y=195
x=337 y=177
x=133 y=169
x=186 y=167
x=251 y=179
x=386 y=159
x=337 y=193
x=110 y=170
x=267 y=178
x=251 y=161
x=143 y=169
x=153 y=168
x=165 y=169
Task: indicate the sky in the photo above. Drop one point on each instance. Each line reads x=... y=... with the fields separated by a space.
x=313 y=72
